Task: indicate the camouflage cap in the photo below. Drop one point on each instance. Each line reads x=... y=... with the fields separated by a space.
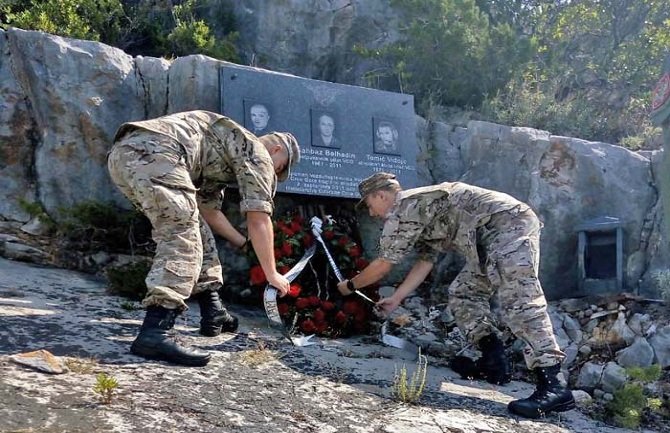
x=374 y=183
x=293 y=150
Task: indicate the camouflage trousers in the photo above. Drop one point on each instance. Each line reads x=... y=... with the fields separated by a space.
x=150 y=171
x=508 y=268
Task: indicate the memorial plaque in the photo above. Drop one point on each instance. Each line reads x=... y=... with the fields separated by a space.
x=346 y=133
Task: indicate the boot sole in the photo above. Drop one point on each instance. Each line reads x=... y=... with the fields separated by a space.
x=210 y=332
x=563 y=407
x=214 y=328
x=157 y=356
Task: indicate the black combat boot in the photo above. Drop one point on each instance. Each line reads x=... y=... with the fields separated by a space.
x=549 y=395
x=493 y=366
x=153 y=341
x=214 y=318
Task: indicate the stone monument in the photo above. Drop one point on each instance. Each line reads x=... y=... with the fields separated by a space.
x=346 y=133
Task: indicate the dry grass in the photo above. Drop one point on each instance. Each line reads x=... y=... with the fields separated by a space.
x=82 y=365
x=258 y=356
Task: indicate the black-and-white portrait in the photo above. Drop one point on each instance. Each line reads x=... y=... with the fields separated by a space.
x=324 y=129
x=257 y=117
x=385 y=137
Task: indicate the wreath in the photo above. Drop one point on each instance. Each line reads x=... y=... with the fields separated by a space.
x=313 y=304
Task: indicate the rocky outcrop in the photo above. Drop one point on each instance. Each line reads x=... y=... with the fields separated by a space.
x=62 y=100
x=325 y=52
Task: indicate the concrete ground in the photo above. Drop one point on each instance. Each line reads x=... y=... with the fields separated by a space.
x=256 y=382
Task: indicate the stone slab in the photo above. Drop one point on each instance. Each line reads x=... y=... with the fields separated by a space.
x=372 y=130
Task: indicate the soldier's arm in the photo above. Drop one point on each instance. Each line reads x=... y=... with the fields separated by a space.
x=414 y=278
x=220 y=225
x=374 y=272
x=262 y=239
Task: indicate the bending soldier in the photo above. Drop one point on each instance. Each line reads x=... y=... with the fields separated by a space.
x=499 y=238
x=173 y=168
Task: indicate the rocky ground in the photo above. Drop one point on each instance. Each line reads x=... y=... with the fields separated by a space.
x=256 y=382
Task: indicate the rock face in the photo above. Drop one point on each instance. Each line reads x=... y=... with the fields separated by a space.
x=324 y=52
x=63 y=99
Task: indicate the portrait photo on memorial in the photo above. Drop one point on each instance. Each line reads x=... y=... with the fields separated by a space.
x=257 y=116
x=324 y=129
x=385 y=136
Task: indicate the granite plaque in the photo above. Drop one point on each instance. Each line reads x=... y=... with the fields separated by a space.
x=346 y=133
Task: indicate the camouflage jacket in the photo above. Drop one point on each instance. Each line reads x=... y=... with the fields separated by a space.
x=218 y=152
x=434 y=219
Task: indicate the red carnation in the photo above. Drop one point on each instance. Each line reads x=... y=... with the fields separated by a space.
x=328 y=234
x=320 y=327
x=319 y=315
x=257 y=275
x=343 y=241
x=361 y=263
x=277 y=254
x=327 y=305
x=360 y=316
x=296 y=226
x=355 y=251
x=341 y=318
x=294 y=290
x=307 y=326
x=287 y=249
x=285 y=229
x=351 y=307
x=302 y=303
x=283 y=270
x=283 y=309
x=314 y=301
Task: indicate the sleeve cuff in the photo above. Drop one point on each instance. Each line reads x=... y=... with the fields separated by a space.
x=256 y=206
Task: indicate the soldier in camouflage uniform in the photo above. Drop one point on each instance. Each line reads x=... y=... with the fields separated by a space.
x=499 y=238
x=174 y=169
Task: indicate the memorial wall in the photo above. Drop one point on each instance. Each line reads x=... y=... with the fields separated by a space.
x=346 y=133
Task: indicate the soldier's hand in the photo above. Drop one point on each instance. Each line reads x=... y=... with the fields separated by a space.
x=279 y=282
x=342 y=287
x=387 y=305
x=246 y=246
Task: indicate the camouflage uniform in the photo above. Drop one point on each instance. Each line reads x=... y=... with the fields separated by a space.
x=168 y=167
x=499 y=238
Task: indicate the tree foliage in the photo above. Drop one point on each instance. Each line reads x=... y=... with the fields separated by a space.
x=582 y=68
x=139 y=28
x=592 y=75
x=450 y=54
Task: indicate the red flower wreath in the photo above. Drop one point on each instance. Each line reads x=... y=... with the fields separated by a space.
x=313 y=304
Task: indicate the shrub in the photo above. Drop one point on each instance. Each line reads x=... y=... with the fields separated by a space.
x=630 y=402
x=129 y=280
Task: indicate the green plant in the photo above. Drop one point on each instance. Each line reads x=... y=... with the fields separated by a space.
x=645 y=374
x=105 y=386
x=629 y=402
x=448 y=51
x=192 y=35
x=409 y=390
x=130 y=306
x=92 y=225
x=129 y=280
x=35 y=210
x=84 y=19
